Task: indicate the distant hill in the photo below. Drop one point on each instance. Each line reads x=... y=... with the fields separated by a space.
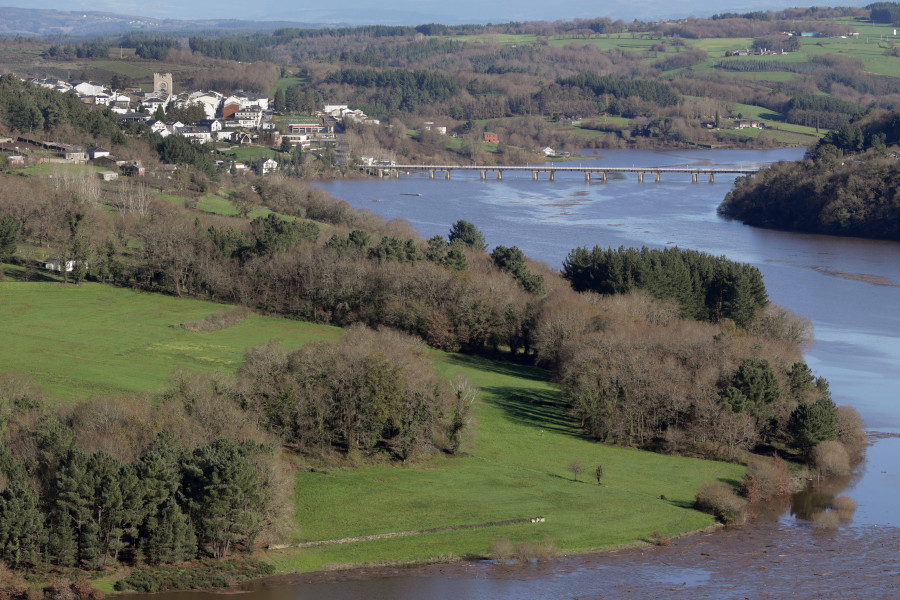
x=42 y=22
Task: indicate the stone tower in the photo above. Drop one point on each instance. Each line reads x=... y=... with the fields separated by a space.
x=162 y=82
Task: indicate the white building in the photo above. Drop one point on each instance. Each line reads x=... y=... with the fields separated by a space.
x=250 y=117
x=335 y=110
x=210 y=101
x=199 y=135
x=88 y=88
x=269 y=165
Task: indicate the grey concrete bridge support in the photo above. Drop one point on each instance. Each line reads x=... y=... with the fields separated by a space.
x=640 y=177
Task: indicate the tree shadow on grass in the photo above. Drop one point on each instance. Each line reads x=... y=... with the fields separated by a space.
x=732 y=482
x=495 y=366
x=689 y=505
x=19 y=274
x=541 y=409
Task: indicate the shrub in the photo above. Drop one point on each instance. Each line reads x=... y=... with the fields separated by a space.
x=526 y=551
x=660 y=539
x=831 y=459
x=851 y=432
x=214 y=574
x=502 y=550
x=84 y=590
x=766 y=479
x=719 y=500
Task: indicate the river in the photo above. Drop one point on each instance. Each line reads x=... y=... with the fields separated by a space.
x=848 y=288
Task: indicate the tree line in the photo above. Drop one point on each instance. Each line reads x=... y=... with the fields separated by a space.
x=651 y=91
x=705 y=287
x=228 y=49
x=398 y=89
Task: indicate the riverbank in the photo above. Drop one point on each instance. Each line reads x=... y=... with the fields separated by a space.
x=778 y=554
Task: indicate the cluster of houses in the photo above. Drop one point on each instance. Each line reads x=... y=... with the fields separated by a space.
x=239 y=118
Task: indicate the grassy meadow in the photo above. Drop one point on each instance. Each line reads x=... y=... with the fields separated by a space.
x=81 y=341
x=90 y=340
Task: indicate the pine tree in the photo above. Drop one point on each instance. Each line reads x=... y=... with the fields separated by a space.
x=813 y=422
x=225 y=496
x=279 y=101
x=22 y=531
x=171 y=536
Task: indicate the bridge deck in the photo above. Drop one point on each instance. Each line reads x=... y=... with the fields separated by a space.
x=545 y=169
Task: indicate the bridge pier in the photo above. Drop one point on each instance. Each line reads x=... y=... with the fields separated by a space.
x=534 y=175
x=603 y=177
x=712 y=178
x=693 y=178
x=640 y=177
x=657 y=176
x=552 y=175
x=447 y=174
x=587 y=176
x=483 y=174
x=499 y=175
x=430 y=173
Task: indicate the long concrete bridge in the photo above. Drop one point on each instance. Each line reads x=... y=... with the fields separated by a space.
x=551 y=171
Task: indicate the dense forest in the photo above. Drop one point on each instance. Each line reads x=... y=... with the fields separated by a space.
x=847 y=185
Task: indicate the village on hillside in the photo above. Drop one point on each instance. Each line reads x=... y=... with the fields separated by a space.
x=240 y=119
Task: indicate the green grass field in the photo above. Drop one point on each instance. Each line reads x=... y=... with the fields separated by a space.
x=70 y=169
x=222 y=206
x=287 y=82
x=81 y=341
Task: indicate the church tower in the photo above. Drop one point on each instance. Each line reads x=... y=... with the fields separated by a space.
x=162 y=82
